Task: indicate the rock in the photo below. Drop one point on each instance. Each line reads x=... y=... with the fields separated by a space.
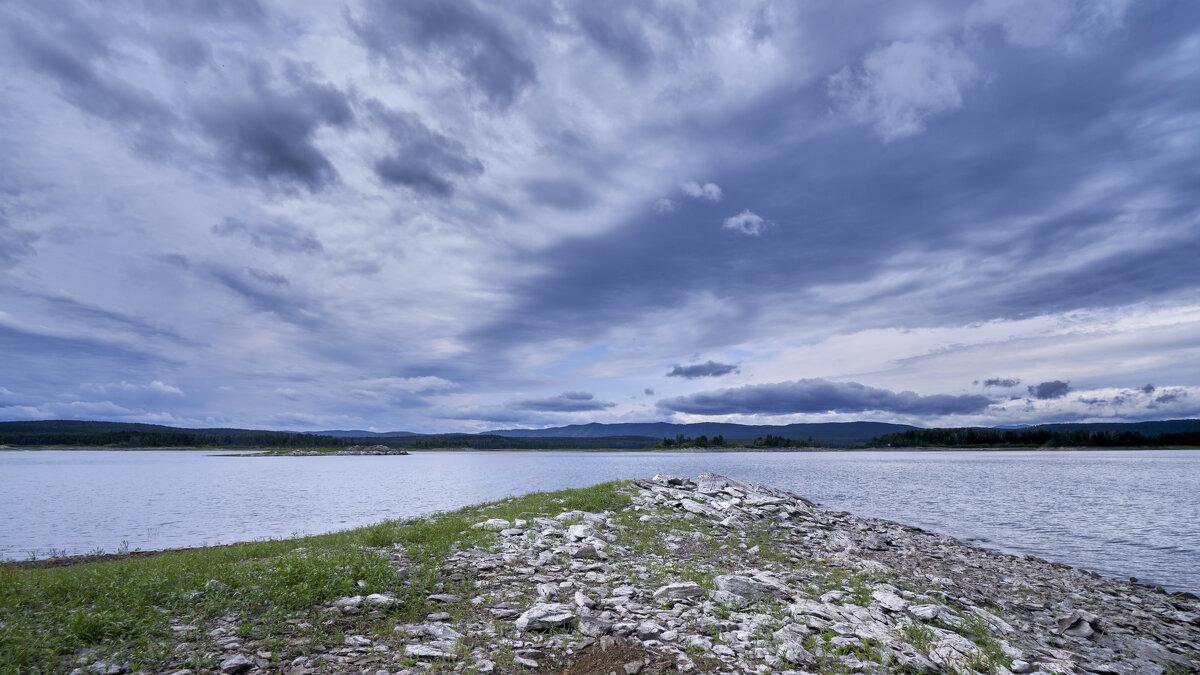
x=889 y=600
x=753 y=588
x=594 y=626
x=440 y=631
x=512 y=532
x=1075 y=626
x=578 y=532
x=381 y=600
x=237 y=663
x=494 y=524
x=425 y=652
x=356 y=641
x=634 y=667
x=685 y=590
x=924 y=612
x=668 y=479
x=793 y=652
x=351 y=601
x=586 y=552
x=545 y=617
x=647 y=630
x=711 y=483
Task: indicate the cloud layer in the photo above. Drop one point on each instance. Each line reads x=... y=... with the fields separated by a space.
x=442 y=216
x=820 y=396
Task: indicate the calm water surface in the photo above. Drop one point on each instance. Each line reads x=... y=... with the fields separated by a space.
x=1119 y=513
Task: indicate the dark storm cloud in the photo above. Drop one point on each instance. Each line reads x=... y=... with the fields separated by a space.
x=280 y=237
x=819 y=396
x=570 y=401
x=1015 y=152
x=1001 y=382
x=1048 y=390
x=1148 y=389
x=707 y=369
x=561 y=194
x=420 y=158
x=265 y=131
x=648 y=391
x=471 y=37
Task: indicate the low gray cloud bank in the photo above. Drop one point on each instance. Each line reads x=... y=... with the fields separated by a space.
x=1047 y=390
x=706 y=369
x=819 y=396
x=1001 y=382
x=569 y=401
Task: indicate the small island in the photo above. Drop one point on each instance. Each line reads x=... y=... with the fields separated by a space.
x=334 y=452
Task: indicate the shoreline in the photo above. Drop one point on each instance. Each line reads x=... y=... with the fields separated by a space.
x=681 y=575
x=276 y=452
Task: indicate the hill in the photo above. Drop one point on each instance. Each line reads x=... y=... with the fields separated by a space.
x=359 y=433
x=833 y=434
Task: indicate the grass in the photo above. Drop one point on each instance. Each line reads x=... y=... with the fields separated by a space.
x=125 y=608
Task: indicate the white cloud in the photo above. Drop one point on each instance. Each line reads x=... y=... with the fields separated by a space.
x=1069 y=25
x=664 y=205
x=747 y=222
x=898 y=87
x=288 y=393
x=709 y=191
x=163 y=388
x=427 y=384
x=154 y=387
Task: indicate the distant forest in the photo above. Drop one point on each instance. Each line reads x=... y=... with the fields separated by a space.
x=123 y=435
x=768 y=441
x=981 y=437
x=120 y=435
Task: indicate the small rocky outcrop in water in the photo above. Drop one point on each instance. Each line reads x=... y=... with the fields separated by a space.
x=717 y=575
x=352 y=450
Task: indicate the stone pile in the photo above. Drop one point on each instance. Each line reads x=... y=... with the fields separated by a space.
x=352 y=450
x=717 y=575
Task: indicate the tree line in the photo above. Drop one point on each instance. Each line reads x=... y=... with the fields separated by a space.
x=169 y=439
x=718 y=441
x=967 y=437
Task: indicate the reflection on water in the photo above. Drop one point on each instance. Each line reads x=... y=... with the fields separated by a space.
x=1119 y=513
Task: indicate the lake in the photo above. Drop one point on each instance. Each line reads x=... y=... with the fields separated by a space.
x=1118 y=513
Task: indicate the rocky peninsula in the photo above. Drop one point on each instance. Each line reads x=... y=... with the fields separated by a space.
x=352 y=450
x=704 y=575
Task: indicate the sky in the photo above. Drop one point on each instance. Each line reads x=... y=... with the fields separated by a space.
x=459 y=216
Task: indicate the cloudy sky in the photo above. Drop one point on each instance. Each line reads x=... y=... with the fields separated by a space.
x=463 y=215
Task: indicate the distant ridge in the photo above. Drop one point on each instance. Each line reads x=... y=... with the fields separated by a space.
x=359 y=433
x=828 y=433
x=622 y=435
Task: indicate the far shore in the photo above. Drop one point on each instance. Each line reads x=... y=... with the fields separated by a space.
x=275 y=452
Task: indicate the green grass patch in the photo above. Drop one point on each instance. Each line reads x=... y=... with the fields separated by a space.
x=126 y=607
